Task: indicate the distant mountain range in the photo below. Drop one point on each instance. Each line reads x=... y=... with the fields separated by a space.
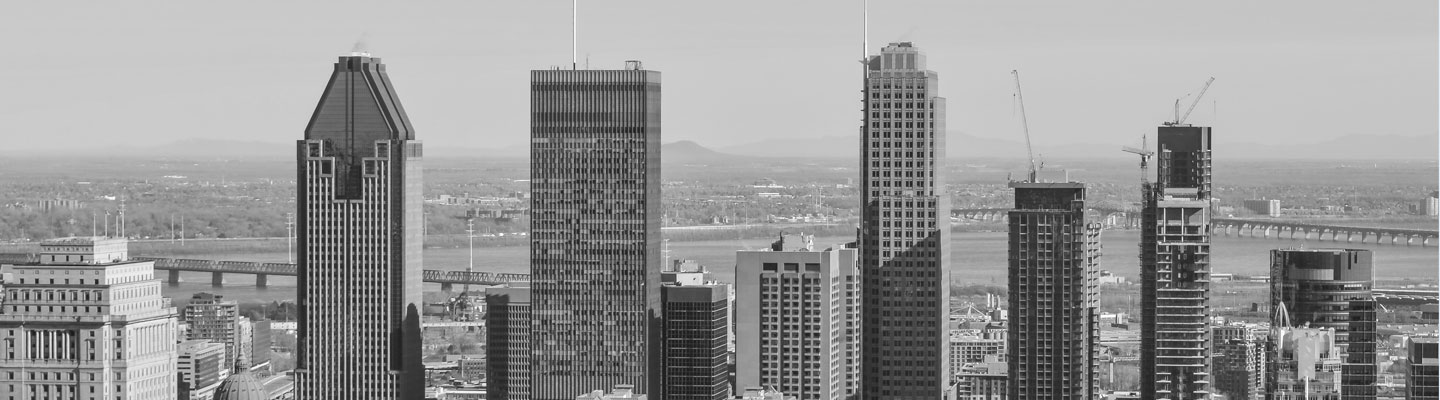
x=958 y=145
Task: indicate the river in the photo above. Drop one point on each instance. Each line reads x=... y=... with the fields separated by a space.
x=976 y=258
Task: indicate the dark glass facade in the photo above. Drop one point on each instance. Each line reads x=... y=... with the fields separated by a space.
x=696 y=342
x=1054 y=259
x=905 y=230
x=507 y=343
x=1330 y=288
x=359 y=239
x=594 y=231
x=1175 y=268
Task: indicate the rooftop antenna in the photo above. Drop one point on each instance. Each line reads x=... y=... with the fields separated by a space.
x=865 y=31
x=574 y=33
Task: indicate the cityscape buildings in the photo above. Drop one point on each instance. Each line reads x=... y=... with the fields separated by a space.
x=1239 y=362
x=1175 y=268
x=1054 y=268
x=1330 y=288
x=595 y=248
x=796 y=318
x=211 y=318
x=1304 y=363
x=87 y=320
x=358 y=235
x=696 y=319
x=507 y=343
x=904 y=229
x=202 y=367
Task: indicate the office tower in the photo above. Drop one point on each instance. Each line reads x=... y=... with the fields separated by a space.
x=358 y=230
x=1054 y=272
x=795 y=318
x=202 y=367
x=1239 y=362
x=66 y=334
x=1422 y=373
x=595 y=248
x=905 y=229
x=507 y=343
x=1175 y=268
x=1304 y=362
x=696 y=336
x=209 y=317
x=1330 y=288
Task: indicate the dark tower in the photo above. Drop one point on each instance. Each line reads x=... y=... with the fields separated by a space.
x=905 y=230
x=1330 y=288
x=1175 y=268
x=359 y=233
x=595 y=249
x=1054 y=267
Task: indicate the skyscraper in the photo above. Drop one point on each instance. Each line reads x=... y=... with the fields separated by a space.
x=1175 y=268
x=1330 y=288
x=1054 y=272
x=797 y=319
x=211 y=318
x=87 y=322
x=595 y=248
x=358 y=232
x=905 y=229
x=1422 y=369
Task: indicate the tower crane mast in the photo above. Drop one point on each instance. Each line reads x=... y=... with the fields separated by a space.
x=1025 y=124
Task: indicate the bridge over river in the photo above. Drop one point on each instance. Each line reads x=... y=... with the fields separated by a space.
x=262 y=271
x=1260 y=228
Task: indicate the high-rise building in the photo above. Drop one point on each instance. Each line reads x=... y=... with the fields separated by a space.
x=211 y=318
x=696 y=340
x=1330 y=288
x=968 y=346
x=86 y=321
x=796 y=318
x=507 y=343
x=1422 y=374
x=202 y=367
x=1054 y=271
x=595 y=247
x=983 y=380
x=1175 y=268
x=1239 y=362
x=905 y=229
x=358 y=228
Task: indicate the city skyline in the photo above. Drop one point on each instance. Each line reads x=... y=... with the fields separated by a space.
x=1292 y=60
x=581 y=294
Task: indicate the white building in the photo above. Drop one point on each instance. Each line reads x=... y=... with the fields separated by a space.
x=86 y=323
x=797 y=319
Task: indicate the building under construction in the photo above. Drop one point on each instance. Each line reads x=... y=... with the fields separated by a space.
x=1175 y=268
x=1054 y=272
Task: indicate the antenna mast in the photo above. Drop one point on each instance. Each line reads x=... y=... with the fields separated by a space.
x=1025 y=124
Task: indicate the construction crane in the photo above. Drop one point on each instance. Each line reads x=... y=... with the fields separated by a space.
x=1025 y=124
x=1145 y=154
x=1180 y=119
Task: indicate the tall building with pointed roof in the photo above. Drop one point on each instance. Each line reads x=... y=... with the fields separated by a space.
x=358 y=215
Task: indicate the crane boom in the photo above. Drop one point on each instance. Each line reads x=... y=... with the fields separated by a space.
x=1182 y=118
x=1025 y=124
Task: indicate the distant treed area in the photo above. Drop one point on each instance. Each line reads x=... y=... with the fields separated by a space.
x=251 y=198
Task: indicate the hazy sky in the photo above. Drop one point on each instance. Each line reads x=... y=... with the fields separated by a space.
x=734 y=71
